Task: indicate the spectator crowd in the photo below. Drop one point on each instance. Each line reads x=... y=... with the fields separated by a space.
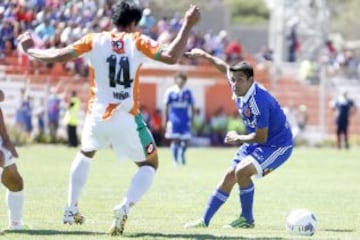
x=55 y=23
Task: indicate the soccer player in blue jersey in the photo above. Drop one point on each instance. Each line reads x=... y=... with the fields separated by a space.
x=267 y=144
x=179 y=113
x=345 y=108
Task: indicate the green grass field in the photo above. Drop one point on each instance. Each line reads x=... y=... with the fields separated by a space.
x=325 y=181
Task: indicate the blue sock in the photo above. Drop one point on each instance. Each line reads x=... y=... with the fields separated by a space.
x=182 y=152
x=216 y=200
x=246 y=196
x=175 y=150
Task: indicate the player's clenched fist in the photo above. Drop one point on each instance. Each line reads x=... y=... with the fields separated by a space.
x=195 y=52
x=26 y=41
x=192 y=15
x=232 y=138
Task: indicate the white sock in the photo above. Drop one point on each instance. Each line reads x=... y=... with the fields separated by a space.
x=78 y=175
x=140 y=183
x=15 y=203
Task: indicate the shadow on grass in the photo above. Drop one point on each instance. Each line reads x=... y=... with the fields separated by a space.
x=195 y=236
x=339 y=230
x=40 y=232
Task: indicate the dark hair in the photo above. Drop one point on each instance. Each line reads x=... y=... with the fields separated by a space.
x=181 y=75
x=244 y=67
x=125 y=12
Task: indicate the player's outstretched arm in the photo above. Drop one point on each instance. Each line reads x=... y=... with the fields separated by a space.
x=175 y=50
x=45 y=55
x=217 y=62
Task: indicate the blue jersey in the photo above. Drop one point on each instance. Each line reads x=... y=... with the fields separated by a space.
x=259 y=109
x=343 y=107
x=179 y=102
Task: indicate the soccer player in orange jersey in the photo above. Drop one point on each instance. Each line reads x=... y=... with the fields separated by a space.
x=114 y=60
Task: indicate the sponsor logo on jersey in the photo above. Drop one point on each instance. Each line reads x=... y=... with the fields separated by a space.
x=118 y=46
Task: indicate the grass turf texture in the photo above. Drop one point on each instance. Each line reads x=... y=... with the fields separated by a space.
x=326 y=181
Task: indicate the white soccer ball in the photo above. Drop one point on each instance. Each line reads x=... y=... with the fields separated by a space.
x=301 y=222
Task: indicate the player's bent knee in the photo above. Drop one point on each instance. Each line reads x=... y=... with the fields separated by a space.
x=14 y=183
x=244 y=174
x=228 y=181
x=230 y=176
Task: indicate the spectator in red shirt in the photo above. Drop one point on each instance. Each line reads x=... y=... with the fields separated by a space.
x=233 y=52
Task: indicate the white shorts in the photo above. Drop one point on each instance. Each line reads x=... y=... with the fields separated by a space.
x=127 y=134
x=8 y=157
x=178 y=131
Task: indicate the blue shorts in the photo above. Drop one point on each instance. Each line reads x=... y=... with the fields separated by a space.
x=265 y=158
x=178 y=130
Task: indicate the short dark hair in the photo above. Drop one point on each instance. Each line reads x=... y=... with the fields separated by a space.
x=125 y=12
x=181 y=75
x=244 y=67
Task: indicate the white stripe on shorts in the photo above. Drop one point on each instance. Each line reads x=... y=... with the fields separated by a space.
x=274 y=156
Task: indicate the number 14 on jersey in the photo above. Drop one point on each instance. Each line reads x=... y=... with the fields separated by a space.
x=122 y=76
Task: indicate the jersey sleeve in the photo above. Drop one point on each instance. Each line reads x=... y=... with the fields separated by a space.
x=264 y=114
x=83 y=45
x=148 y=47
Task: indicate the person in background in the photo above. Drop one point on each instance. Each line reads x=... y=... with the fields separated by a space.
x=71 y=119
x=20 y=112
x=235 y=123
x=40 y=116
x=27 y=111
x=344 y=108
x=53 y=114
x=179 y=114
x=198 y=123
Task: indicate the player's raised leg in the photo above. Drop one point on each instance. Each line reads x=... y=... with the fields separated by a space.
x=217 y=199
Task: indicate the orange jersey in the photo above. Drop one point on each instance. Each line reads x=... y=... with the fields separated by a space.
x=114 y=61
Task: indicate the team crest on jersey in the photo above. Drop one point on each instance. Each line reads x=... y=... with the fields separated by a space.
x=118 y=45
x=247 y=112
x=150 y=148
